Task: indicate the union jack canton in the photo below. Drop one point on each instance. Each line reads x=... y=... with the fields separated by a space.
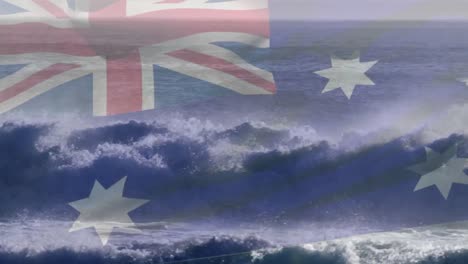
x=120 y=41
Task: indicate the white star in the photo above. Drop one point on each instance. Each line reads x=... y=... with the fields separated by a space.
x=106 y=209
x=346 y=74
x=463 y=80
x=441 y=170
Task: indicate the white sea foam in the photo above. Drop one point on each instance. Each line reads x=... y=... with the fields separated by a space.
x=405 y=246
x=225 y=153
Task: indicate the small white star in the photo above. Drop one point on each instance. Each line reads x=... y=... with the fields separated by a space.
x=463 y=80
x=346 y=74
x=441 y=170
x=106 y=209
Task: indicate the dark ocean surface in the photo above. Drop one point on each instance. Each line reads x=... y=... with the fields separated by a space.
x=297 y=177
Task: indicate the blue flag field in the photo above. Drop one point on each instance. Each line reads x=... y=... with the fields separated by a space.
x=241 y=131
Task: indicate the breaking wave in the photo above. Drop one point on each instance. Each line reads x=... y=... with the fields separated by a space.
x=47 y=164
x=422 y=246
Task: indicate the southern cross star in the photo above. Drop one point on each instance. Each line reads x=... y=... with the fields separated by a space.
x=463 y=80
x=442 y=170
x=106 y=209
x=346 y=74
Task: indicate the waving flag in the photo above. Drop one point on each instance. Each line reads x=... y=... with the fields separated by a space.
x=282 y=131
x=73 y=39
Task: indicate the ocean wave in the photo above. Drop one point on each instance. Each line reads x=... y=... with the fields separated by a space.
x=195 y=171
x=146 y=142
x=404 y=247
x=247 y=169
x=215 y=250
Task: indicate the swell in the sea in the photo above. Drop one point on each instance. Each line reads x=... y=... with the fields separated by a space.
x=45 y=161
x=250 y=250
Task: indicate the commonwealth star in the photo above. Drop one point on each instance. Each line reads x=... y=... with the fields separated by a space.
x=106 y=209
x=346 y=74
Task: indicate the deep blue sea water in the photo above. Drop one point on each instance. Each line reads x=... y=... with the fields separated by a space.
x=231 y=178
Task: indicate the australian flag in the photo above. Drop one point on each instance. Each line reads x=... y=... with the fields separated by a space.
x=129 y=122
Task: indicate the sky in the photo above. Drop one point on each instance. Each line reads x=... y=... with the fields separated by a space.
x=371 y=9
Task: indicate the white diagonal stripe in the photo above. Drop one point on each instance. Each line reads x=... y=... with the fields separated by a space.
x=231 y=57
x=203 y=39
x=210 y=75
x=39 y=61
x=36 y=14
x=155 y=54
x=41 y=88
x=27 y=5
x=22 y=74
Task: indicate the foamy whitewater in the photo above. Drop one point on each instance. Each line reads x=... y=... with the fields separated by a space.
x=35 y=230
x=40 y=242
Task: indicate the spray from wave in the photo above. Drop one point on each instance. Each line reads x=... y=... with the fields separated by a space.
x=434 y=245
x=192 y=152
